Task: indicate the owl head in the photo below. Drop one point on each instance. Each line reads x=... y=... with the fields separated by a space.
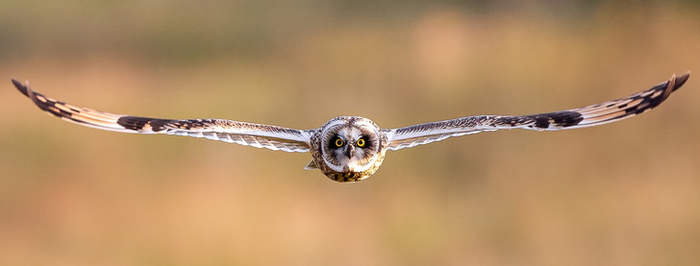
x=351 y=148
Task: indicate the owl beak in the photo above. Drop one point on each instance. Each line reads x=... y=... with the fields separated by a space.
x=349 y=151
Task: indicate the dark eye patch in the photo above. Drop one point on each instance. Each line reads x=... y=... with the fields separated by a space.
x=367 y=143
x=336 y=142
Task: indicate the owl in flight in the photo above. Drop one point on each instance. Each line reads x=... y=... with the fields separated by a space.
x=351 y=148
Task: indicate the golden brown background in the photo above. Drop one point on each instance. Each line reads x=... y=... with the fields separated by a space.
x=622 y=194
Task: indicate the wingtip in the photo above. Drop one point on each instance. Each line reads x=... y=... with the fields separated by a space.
x=681 y=80
x=27 y=91
x=21 y=87
x=673 y=84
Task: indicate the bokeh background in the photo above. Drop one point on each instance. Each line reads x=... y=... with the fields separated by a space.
x=622 y=194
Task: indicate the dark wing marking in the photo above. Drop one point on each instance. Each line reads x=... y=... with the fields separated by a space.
x=256 y=135
x=593 y=115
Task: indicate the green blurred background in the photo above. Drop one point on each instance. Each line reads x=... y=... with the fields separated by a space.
x=622 y=194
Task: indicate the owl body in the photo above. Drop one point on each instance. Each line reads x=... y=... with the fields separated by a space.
x=348 y=148
x=352 y=148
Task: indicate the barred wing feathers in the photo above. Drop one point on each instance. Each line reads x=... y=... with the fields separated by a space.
x=249 y=134
x=588 y=116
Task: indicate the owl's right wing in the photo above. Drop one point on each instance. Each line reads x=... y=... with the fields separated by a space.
x=588 y=116
x=249 y=134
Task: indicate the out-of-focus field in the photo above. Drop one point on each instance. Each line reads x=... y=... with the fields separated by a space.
x=626 y=193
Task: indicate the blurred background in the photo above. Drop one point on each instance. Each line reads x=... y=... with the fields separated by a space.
x=622 y=194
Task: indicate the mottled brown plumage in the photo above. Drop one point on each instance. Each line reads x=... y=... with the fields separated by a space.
x=337 y=165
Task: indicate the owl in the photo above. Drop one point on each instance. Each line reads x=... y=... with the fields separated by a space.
x=352 y=148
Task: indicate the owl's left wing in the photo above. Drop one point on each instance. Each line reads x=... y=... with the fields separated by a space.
x=588 y=116
x=249 y=134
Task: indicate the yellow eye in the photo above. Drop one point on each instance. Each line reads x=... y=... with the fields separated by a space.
x=360 y=143
x=339 y=142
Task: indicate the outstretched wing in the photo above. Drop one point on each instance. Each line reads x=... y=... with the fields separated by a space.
x=256 y=135
x=588 y=116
